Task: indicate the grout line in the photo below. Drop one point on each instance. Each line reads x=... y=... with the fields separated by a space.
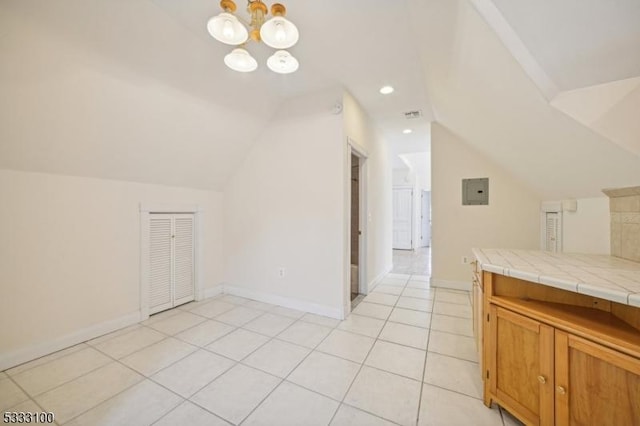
x=290 y=372
x=126 y=388
x=145 y=377
x=454 y=391
x=46 y=362
x=454 y=357
x=452 y=333
x=424 y=372
x=271 y=338
x=362 y=364
x=33 y=396
x=181 y=404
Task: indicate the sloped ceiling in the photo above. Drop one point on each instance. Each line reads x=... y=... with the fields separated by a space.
x=611 y=109
x=578 y=43
x=136 y=89
x=482 y=93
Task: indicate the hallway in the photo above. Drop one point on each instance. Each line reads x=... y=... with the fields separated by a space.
x=415 y=262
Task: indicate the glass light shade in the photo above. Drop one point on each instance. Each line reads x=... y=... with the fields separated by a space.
x=240 y=60
x=279 y=33
x=282 y=62
x=227 y=29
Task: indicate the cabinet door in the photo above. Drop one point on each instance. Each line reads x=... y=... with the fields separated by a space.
x=595 y=385
x=520 y=362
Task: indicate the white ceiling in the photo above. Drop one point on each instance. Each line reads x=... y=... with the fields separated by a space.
x=482 y=94
x=160 y=48
x=137 y=90
x=579 y=43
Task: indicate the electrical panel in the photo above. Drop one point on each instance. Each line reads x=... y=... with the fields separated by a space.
x=475 y=192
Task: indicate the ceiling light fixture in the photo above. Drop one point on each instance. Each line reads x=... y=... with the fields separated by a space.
x=277 y=32
x=385 y=90
x=407 y=131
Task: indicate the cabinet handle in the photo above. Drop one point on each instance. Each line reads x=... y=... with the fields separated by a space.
x=542 y=380
x=561 y=390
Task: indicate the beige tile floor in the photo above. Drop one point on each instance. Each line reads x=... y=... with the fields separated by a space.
x=231 y=360
x=416 y=261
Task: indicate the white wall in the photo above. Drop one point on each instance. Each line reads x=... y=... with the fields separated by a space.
x=287 y=207
x=587 y=229
x=70 y=255
x=67 y=109
x=403 y=177
x=283 y=208
x=484 y=95
x=511 y=220
x=359 y=128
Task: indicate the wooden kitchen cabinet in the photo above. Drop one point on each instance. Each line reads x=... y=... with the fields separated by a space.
x=594 y=385
x=554 y=357
x=520 y=365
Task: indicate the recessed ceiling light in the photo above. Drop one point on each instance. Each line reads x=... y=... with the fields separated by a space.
x=385 y=90
x=407 y=131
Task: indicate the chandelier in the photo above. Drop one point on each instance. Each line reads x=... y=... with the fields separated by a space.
x=277 y=32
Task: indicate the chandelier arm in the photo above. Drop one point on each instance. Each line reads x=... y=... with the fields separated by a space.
x=244 y=21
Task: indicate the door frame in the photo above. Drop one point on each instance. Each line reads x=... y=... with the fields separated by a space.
x=145 y=211
x=422 y=193
x=363 y=288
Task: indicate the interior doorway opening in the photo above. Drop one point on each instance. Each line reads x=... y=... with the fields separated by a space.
x=425 y=219
x=355 y=227
x=356 y=281
x=411 y=206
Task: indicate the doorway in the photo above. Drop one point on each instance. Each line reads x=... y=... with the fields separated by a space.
x=402 y=218
x=425 y=219
x=356 y=217
x=355 y=226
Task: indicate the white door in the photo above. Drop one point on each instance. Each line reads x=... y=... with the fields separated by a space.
x=183 y=267
x=171 y=257
x=553 y=232
x=160 y=259
x=425 y=216
x=402 y=223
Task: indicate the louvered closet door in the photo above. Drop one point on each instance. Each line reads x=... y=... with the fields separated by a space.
x=183 y=271
x=160 y=257
x=552 y=232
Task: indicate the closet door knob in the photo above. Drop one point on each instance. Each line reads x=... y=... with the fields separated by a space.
x=542 y=380
x=561 y=390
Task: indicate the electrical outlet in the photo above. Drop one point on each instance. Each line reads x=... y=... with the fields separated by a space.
x=465 y=260
x=281 y=272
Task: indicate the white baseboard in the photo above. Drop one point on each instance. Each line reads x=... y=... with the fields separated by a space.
x=29 y=353
x=374 y=282
x=453 y=285
x=287 y=302
x=212 y=291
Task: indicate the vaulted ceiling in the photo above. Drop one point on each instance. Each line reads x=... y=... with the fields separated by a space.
x=137 y=90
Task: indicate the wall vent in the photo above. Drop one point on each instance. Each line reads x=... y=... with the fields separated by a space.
x=412 y=114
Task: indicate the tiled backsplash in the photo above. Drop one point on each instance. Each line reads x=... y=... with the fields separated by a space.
x=625 y=222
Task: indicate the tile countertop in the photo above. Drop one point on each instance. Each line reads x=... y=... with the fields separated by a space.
x=607 y=277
